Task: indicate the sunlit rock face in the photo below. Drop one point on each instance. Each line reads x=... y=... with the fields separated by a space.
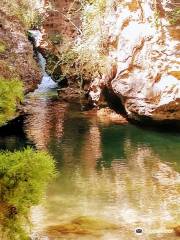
x=17 y=59
x=144 y=47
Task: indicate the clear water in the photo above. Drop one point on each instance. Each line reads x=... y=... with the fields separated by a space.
x=121 y=174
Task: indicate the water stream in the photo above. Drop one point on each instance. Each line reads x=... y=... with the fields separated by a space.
x=118 y=174
x=112 y=179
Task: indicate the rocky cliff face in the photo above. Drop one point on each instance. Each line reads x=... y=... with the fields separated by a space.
x=16 y=57
x=143 y=47
x=19 y=71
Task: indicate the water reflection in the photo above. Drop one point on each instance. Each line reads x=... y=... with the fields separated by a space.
x=45 y=119
x=135 y=189
x=123 y=175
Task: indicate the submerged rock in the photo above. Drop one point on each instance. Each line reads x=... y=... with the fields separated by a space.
x=81 y=226
x=177 y=230
x=107 y=115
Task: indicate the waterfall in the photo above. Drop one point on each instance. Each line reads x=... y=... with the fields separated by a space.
x=47 y=83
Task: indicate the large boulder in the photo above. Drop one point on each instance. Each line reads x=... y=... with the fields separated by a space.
x=16 y=54
x=144 y=39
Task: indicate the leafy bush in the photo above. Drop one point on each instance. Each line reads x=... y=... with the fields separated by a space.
x=86 y=57
x=11 y=93
x=30 y=12
x=23 y=178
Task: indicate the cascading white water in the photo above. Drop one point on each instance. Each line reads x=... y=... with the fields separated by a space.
x=47 y=83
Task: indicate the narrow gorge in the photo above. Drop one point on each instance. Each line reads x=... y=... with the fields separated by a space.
x=89 y=120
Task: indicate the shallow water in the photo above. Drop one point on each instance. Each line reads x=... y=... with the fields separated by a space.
x=121 y=174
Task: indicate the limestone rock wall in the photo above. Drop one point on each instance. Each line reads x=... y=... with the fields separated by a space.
x=145 y=52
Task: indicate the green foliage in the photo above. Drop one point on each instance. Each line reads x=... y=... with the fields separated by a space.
x=174 y=16
x=90 y=48
x=23 y=178
x=156 y=19
x=2 y=47
x=56 y=38
x=11 y=94
x=30 y=12
x=87 y=57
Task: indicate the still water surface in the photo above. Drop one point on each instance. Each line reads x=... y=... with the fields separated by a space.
x=120 y=174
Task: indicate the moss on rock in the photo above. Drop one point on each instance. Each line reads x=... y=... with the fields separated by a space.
x=11 y=94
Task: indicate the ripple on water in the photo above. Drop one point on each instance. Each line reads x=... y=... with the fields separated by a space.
x=123 y=175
